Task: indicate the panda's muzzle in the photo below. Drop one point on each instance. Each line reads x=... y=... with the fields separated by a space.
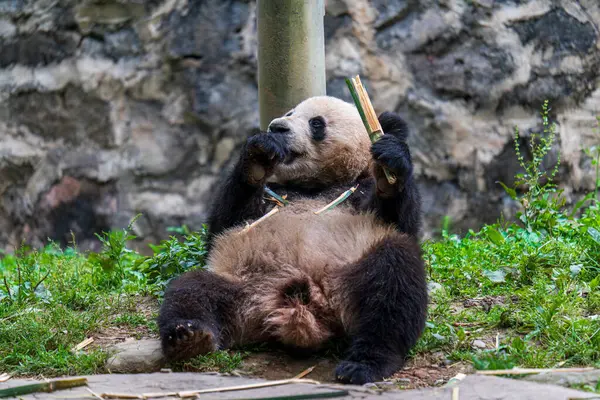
x=278 y=127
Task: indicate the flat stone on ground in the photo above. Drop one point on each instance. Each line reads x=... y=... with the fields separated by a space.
x=136 y=356
x=471 y=388
x=567 y=379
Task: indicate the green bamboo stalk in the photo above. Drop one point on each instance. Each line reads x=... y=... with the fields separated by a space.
x=374 y=132
x=358 y=106
x=49 y=386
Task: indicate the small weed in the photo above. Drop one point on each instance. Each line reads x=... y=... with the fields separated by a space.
x=541 y=199
x=115 y=259
x=131 y=320
x=221 y=361
x=493 y=360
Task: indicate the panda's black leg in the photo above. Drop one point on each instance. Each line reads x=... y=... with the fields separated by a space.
x=241 y=197
x=383 y=299
x=198 y=315
x=398 y=203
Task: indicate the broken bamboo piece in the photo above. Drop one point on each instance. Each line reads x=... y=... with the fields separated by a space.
x=337 y=201
x=277 y=197
x=367 y=114
x=305 y=372
x=196 y=393
x=83 y=344
x=258 y=221
x=48 y=386
x=531 y=371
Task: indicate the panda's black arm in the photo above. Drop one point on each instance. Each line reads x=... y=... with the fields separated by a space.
x=241 y=196
x=398 y=203
x=237 y=201
x=402 y=209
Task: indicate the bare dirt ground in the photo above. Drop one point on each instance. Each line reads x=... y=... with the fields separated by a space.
x=425 y=370
x=419 y=372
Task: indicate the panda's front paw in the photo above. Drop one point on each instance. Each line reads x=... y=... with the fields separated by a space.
x=185 y=339
x=355 y=373
x=393 y=154
x=262 y=153
x=392 y=124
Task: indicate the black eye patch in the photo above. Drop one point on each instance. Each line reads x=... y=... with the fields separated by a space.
x=289 y=114
x=317 y=128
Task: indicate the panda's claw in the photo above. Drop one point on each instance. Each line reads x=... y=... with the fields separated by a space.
x=188 y=339
x=354 y=373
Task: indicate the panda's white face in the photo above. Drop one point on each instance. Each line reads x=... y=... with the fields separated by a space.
x=327 y=142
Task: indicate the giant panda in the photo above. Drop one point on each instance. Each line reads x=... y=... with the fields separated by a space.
x=352 y=275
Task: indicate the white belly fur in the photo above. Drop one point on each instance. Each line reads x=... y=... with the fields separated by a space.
x=297 y=238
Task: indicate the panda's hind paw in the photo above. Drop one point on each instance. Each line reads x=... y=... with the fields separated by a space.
x=355 y=373
x=188 y=338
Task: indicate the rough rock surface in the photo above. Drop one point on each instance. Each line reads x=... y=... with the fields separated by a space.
x=471 y=388
x=136 y=356
x=118 y=107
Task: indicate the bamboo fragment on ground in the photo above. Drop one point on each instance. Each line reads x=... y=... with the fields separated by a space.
x=4 y=377
x=305 y=372
x=455 y=391
x=96 y=395
x=468 y=323
x=322 y=395
x=83 y=344
x=48 y=386
x=367 y=114
x=455 y=379
x=196 y=393
x=531 y=371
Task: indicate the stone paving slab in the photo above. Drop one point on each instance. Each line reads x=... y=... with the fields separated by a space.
x=473 y=387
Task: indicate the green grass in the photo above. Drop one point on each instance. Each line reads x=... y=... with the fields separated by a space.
x=220 y=361
x=532 y=283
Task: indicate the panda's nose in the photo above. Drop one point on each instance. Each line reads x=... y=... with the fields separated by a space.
x=278 y=127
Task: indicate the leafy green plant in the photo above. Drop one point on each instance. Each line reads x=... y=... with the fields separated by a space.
x=594 y=153
x=115 y=256
x=173 y=257
x=541 y=198
x=23 y=277
x=496 y=359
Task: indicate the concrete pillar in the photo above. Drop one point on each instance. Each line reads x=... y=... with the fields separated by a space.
x=291 y=54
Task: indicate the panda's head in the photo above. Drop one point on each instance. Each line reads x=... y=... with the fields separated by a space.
x=326 y=142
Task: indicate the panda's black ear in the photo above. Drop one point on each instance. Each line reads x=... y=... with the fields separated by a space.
x=392 y=124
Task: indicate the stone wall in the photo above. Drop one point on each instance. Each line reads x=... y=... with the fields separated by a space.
x=117 y=107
